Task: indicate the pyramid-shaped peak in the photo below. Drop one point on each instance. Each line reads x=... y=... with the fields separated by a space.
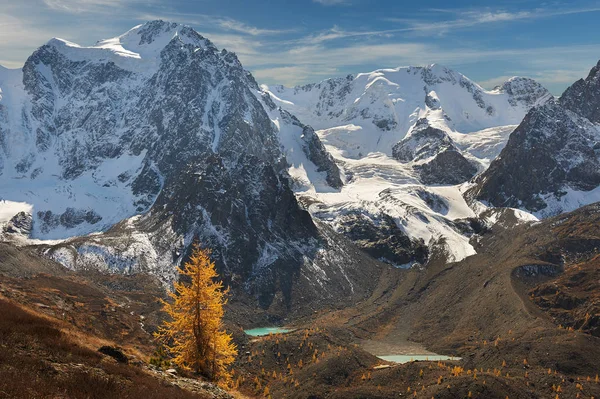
x=150 y=38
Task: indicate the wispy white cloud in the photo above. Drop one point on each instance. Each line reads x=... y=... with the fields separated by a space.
x=547 y=64
x=417 y=54
x=338 y=33
x=237 y=26
x=331 y=2
x=291 y=56
x=243 y=46
x=478 y=17
x=18 y=38
x=84 y=6
x=495 y=81
x=292 y=75
x=463 y=19
x=205 y=21
x=562 y=76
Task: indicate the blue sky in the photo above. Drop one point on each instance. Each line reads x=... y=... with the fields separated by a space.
x=301 y=41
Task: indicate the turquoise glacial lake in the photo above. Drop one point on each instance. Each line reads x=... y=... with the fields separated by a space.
x=413 y=358
x=259 y=332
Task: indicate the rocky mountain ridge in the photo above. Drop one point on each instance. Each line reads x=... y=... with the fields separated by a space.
x=551 y=162
x=405 y=139
x=157 y=139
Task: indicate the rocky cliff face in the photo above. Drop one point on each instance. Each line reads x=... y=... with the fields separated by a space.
x=523 y=91
x=583 y=97
x=551 y=162
x=434 y=155
x=314 y=150
x=160 y=123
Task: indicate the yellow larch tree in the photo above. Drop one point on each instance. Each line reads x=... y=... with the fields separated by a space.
x=195 y=336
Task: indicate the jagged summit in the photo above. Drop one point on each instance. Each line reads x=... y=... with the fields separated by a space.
x=157 y=93
x=386 y=103
x=550 y=164
x=150 y=38
x=58 y=42
x=139 y=49
x=431 y=74
x=524 y=90
x=583 y=97
x=435 y=73
x=158 y=135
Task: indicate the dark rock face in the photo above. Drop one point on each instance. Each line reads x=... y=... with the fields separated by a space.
x=430 y=101
x=583 y=97
x=248 y=216
x=445 y=164
x=317 y=153
x=554 y=150
x=471 y=226
x=384 y=240
x=84 y=83
x=315 y=150
x=448 y=167
x=21 y=223
x=524 y=91
x=551 y=150
x=433 y=201
x=70 y=218
x=422 y=142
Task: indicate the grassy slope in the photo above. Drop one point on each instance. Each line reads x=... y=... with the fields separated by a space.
x=38 y=359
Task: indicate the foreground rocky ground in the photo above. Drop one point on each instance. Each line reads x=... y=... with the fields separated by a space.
x=43 y=358
x=67 y=335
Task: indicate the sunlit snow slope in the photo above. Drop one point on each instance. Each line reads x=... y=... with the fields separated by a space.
x=439 y=117
x=88 y=135
x=63 y=122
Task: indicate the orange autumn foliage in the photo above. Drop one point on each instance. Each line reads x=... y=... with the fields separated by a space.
x=195 y=335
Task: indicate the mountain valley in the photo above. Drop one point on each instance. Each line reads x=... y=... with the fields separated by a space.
x=403 y=211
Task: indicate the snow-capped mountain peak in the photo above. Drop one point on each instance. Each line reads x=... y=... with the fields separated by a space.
x=404 y=138
x=155 y=139
x=149 y=39
x=524 y=90
x=157 y=135
x=87 y=122
x=381 y=107
x=139 y=49
x=550 y=164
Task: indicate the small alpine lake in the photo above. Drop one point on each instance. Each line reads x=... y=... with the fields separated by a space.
x=413 y=358
x=262 y=331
